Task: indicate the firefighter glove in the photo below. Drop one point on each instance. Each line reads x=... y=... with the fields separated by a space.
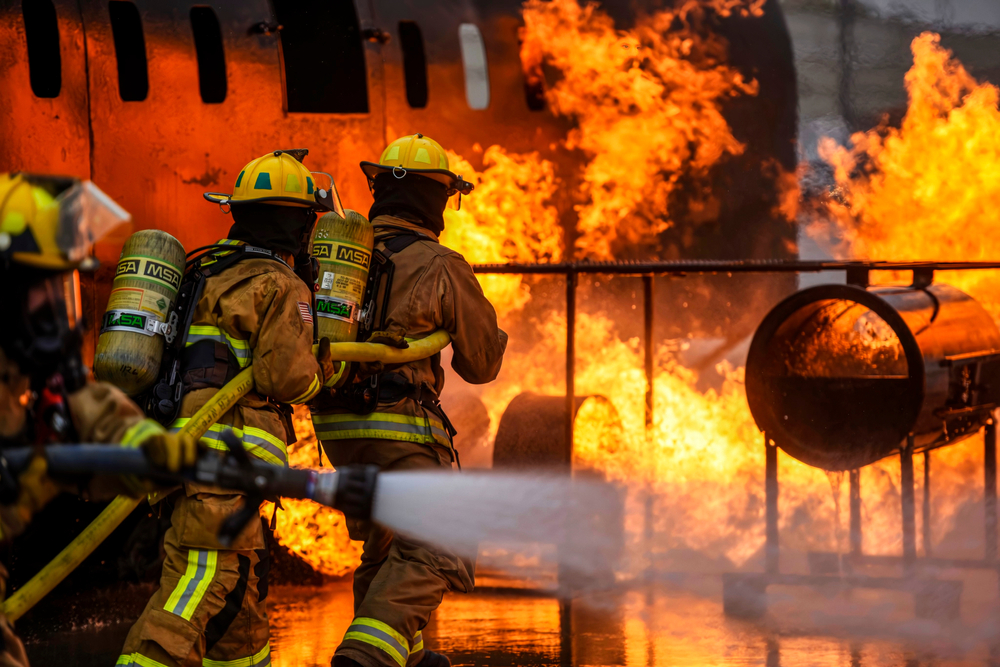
x=333 y=371
x=172 y=451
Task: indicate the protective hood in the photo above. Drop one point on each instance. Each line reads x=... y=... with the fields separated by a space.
x=278 y=228
x=412 y=197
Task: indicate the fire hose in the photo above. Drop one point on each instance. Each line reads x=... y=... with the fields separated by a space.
x=225 y=399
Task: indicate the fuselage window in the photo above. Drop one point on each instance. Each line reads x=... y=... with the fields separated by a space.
x=41 y=28
x=414 y=64
x=211 y=54
x=130 y=50
x=323 y=57
x=477 y=75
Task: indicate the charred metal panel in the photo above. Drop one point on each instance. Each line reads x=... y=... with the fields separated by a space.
x=50 y=134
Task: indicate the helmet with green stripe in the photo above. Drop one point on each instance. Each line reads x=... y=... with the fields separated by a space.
x=281 y=179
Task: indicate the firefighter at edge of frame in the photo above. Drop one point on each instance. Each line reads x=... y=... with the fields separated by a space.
x=210 y=607
x=47 y=227
x=400 y=583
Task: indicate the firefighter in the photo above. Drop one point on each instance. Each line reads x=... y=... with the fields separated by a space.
x=47 y=226
x=211 y=602
x=400 y=583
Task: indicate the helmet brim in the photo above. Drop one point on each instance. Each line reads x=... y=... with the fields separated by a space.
x=221 y=198
x=51 y=263
x=447 y=178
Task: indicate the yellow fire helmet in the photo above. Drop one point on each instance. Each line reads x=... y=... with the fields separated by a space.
x=52 y=222
x=417 y=154
x=280 y=178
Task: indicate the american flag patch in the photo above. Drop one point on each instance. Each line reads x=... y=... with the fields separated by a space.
x=306 y=312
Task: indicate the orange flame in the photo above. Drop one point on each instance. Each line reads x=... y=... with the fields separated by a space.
x=647 y=104
x=929 y=189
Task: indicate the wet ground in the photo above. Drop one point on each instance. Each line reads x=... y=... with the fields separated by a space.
x=679 y=623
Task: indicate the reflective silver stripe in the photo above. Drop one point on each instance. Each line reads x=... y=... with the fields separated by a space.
x=248 y=439
x=370 y=425
x=199 y=574
x=379 y=634
x=331 y=429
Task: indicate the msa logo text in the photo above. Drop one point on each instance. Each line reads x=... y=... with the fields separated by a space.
x=353 y=256
x=127 y=267
x=163 y=272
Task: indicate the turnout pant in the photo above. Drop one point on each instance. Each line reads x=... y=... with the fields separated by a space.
x=209 y=609
x=400 y=582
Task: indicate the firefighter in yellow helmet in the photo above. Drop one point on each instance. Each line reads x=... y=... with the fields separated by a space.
x=392 y=417
x=47 y=226
x=254 y=309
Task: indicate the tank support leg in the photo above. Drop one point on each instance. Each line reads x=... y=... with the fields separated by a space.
x=856 y=543
x=990 y=490
x=771 y=503
x=908 y=502
x=926 y=513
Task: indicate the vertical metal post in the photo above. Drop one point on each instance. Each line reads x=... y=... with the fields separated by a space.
x=909 y=504
x=570 y=364
x=926 y=513
x=771 y=504
x=990 y=489
x=648 y=320
x=566 y=633
x=855 y=500
x=647 y=293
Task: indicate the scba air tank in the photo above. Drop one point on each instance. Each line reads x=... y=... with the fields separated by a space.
x=343 y=247
x=135 y=324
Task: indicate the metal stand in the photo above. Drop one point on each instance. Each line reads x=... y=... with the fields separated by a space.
x=772 y=552
x=855 y=500
x=745 y=594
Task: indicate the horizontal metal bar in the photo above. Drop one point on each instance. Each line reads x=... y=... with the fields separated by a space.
x=702 y=266
x=908 y=584
x=926 y=561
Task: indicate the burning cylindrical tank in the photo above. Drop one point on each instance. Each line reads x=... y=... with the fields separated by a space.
x=840 y=376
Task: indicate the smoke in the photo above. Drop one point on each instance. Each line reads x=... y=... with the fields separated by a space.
x=583 y=518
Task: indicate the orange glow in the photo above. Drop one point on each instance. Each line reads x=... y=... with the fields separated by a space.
x=646 y=104
x=931 y=188
x=647 y=108
x=314 y=533
x=926 y=190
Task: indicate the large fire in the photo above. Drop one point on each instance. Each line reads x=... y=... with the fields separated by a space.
x=646 y=103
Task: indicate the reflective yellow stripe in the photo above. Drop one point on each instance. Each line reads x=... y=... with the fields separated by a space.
x=418 y=643
x=314 y=389
x=381 y=425
x=256 y=441
x=139 y=433
x=260 y=658
x=192 y=586
x=376 y=633
x=240 y=348
x=138 y=659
